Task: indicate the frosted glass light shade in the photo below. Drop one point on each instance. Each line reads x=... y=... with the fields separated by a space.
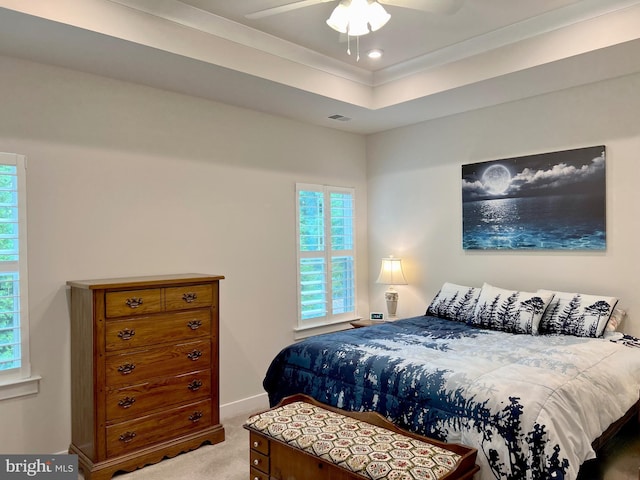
x=357 y=27
x=339 y=19
x=378 y=16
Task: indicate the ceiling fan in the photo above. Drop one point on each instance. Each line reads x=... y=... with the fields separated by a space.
x=446 y=7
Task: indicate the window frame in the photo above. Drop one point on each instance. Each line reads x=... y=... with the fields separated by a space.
x=19 y=381
x=327 y=253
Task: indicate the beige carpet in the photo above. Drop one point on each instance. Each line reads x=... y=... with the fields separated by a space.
x=228 y=460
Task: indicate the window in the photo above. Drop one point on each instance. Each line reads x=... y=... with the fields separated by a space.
x=14 y=331
x=326 y=255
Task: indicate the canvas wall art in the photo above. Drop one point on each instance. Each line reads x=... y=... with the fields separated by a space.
x=550 y=201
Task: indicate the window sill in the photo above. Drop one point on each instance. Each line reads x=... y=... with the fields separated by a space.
x=303 y=332
x=19 y=388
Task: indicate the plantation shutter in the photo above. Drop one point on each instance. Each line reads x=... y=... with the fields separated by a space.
x=326 y=254
x=14 y=346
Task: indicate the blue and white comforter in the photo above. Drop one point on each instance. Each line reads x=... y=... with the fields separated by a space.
x=531 y=405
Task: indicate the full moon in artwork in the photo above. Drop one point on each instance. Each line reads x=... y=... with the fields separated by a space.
x=496 y=179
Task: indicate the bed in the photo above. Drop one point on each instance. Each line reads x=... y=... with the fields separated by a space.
x=533 y=405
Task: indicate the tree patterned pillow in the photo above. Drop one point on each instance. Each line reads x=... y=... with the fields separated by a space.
x=577 y=314
x=454 y=302
x=509 y=310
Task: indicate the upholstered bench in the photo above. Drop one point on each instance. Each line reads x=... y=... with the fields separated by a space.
x=302 y=439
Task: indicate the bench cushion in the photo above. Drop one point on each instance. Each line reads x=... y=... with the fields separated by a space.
x=368 y=450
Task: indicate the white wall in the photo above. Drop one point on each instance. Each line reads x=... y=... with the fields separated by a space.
x=415 y=196
x=128 y=180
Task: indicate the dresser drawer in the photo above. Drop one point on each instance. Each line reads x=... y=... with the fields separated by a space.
x=132 y=435
x=133 y=302
x=143 y=364
x=259 y=461
x=145 y=397
x=259 y=443
x=194 y=296
x=162 y=328
x=255 y=474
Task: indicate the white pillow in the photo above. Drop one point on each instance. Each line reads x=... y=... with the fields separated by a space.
x=577 y=314
x=510 y=310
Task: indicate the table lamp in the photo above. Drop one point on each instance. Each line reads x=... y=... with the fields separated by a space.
x=391 y=274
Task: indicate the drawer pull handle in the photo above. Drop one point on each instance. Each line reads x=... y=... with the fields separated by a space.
x=126 y=369
x=256 y=462
x=127 y=437
x=195 y=355
x=195 y=385
x=194 y=324
x=190 y=297
x=195 y=416
x=134 y=302
x=126 y=334
x=126 y=402
x=256 y=444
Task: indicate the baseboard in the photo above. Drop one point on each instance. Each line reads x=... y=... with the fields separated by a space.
x=246 y=406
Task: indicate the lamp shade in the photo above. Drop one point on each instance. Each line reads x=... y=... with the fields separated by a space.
x=391 y=272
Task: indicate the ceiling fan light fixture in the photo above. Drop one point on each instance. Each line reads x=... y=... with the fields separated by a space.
x=355 y=16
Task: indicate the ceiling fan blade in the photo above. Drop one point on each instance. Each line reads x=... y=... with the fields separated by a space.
x=284 y=8
x=447 y=7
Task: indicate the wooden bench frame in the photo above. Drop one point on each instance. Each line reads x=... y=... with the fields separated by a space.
x=272 y=459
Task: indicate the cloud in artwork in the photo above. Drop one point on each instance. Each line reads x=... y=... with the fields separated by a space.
x=475 y=189
x=559 y=176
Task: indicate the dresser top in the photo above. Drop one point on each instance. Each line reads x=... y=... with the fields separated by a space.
x=152 y=280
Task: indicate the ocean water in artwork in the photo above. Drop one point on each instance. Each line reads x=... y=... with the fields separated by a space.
x=559 y=222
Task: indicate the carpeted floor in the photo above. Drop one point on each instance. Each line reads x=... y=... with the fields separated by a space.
x=228 y=460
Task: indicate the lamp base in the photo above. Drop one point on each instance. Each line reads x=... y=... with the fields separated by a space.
x=391 y=296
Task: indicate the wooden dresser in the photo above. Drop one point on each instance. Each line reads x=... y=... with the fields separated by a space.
x=144 y=370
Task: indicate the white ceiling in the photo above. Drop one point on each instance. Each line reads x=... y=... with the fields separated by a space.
x=409 y=34
x=293 y=64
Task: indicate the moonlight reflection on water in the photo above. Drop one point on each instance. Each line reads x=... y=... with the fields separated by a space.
x=499 y=212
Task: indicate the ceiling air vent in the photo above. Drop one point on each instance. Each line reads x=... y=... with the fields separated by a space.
x=340 y=118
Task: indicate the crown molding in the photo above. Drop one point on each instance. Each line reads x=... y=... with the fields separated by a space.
x=554 y=20
x=207 y=22
x=187 y=15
